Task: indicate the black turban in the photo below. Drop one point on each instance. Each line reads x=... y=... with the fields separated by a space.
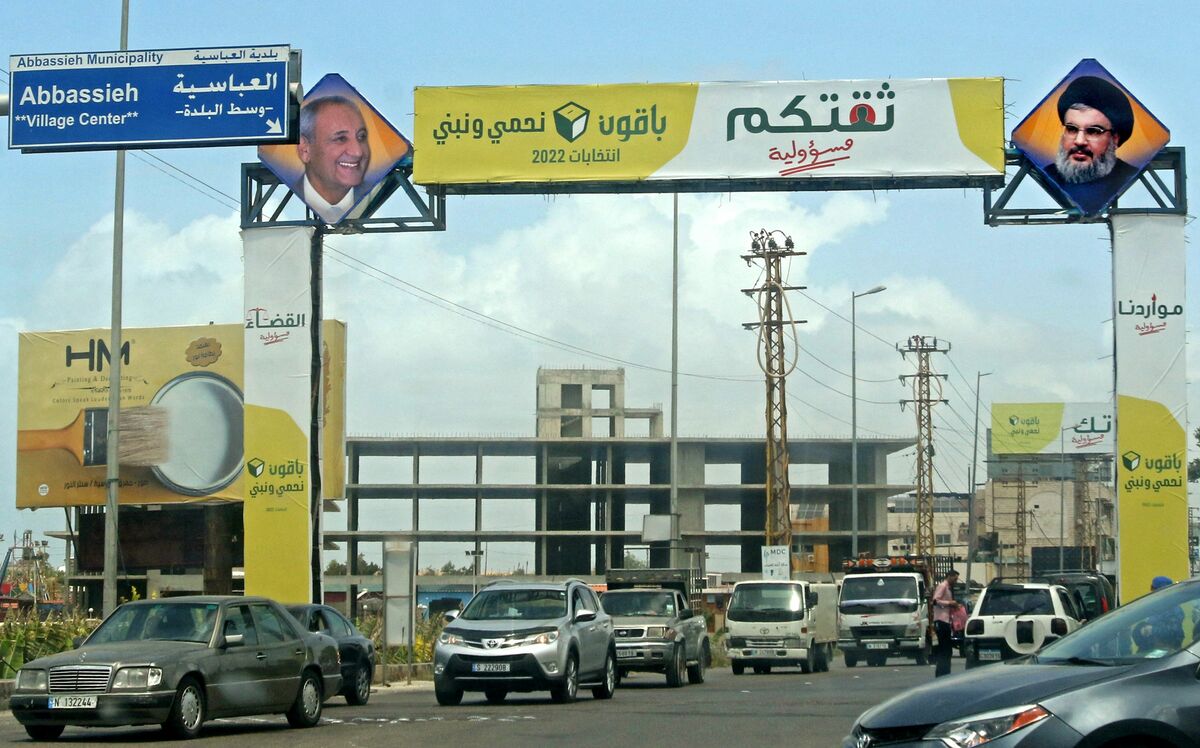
x=1098 y=93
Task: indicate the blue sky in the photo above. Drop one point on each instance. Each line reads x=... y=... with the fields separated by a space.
x=1029 y=304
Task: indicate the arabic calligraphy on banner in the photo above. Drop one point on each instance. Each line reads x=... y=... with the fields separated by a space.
x=1151 y=478
x=1051 y=428
x=630 y=132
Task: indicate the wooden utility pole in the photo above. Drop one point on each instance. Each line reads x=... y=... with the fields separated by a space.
x=773 y=317
x=922 y=346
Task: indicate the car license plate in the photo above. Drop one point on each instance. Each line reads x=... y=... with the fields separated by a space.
x=624 y=653
x=989 y=654
x=72 y=702
x=490 y=667
x=878 y=645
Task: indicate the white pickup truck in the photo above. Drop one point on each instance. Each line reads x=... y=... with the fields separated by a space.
x=781 y=623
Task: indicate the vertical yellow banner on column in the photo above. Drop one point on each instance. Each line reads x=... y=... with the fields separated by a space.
x=1149 y=326
x=278 y=392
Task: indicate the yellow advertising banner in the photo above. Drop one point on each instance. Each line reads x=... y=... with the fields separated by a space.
x=1149 y=327
x=950 y=129
x=280 y=517
x=192 y=375
x=1052 y=428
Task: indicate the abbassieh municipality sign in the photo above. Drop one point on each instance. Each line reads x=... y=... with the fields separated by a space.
x=145 y=98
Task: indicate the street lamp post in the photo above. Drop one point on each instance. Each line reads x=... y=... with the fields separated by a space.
x=971 y=531
x=1062 y=494
x=854 y=418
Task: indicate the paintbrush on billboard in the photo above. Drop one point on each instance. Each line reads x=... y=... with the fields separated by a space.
x=143 y=437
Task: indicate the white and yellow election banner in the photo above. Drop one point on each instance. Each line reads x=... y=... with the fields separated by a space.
x=1053 y=428
x=1149 y=322
x=193 y=373
x=947 y=130
x=278 y=351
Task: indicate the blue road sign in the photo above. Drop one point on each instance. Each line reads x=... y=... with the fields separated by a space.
x=144 y=98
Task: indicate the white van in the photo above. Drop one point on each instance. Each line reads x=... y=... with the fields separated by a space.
x=778 y=623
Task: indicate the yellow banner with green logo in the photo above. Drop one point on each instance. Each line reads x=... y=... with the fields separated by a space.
x=951 y=130
x=1149 y=327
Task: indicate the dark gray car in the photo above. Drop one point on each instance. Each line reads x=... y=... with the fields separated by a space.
x=178 y=662
x=1129 y=678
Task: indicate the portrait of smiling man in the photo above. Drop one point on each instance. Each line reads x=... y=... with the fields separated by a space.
x=1097 y=120
x=335 y=151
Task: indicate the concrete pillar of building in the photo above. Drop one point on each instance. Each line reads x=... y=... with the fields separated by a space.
x=689 y=552
x=754 y=509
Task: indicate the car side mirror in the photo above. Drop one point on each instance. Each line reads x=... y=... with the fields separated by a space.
x=686 y=613
x=812 y=598
x=234 y=640
x=450 y=615
x=76 y=642
x=583 y=615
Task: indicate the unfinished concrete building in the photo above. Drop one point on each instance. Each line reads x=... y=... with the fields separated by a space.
x=579 y=488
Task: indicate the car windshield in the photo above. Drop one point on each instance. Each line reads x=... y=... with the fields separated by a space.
x=638 y=604
x=1016 y=601
x=878 y=588
x=494 y=605
x=765 y=602
x=1155 y=625
x=181 y=622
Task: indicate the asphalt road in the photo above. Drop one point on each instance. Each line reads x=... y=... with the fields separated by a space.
x=783 y=708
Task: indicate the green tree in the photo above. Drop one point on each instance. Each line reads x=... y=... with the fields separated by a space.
x=1194 y=465
x=632 y=562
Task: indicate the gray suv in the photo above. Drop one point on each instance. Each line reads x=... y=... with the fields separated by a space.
x=527 y=637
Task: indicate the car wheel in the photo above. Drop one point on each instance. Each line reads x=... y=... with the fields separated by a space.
x=923 y=656
x=306 y=709
x=44 y=732
x=850 y=658
x=495 y=695
x=360 y=686
x=809 y=664
x=738 y=668
x=824 y=654
x=677 y=669
x=447 y=695
x=621 y=675
x=567 y=690
x=606 y=689
x=696 y=672
x=187 y=711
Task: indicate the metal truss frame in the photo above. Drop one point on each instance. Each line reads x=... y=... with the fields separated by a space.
x=1165 y=180
x=264 y=199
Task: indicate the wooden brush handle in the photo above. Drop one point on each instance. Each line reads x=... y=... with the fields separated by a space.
x=68 y=437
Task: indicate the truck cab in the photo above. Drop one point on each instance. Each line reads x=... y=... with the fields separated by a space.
x=883 y=611
x=780 y=623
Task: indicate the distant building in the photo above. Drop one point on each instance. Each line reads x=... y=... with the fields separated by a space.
x=584 y=481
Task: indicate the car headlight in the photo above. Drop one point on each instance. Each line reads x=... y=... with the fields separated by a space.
x=981 y=729
x=31 y=680
x=546 y=637
x=660 y=632
x=139 y=678
x=447 y=637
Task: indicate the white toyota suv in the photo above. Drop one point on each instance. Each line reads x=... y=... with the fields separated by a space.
x=1015 y=619
x=527 y=637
